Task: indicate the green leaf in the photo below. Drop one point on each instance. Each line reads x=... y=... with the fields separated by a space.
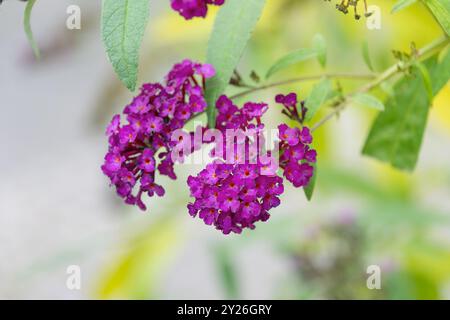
x=232 y=30
x=27 y=27
x=441 y=11
x=227 y=271
x=387 y=88
x=426 y=79
x=402 y=4
x=317 y=97
x=320 y=46
x=366 y=56
x=396 y=135
x=291 y=59
x=309 y=189
x=318 y=50
x=123 y=26
x=368 y=100
x=440 y=79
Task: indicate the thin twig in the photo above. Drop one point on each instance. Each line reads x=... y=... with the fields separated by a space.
x=303 y=79
x=432 y=48
x=296 y=80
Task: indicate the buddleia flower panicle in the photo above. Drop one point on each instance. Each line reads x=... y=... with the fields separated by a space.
x=233 y=194
x=140 y=140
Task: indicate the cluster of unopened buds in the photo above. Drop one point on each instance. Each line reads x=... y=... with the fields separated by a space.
x=194 y=8
x=344 y=5
x=244 y=179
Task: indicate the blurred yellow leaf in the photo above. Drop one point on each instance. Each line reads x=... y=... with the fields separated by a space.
x=430 y=268
x=135 y=274
x=171 y=28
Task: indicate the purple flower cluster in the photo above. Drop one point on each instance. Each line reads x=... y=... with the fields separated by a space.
x=143 y=144
x=297 y=156
x=235 y=194
x=233 y=197
x=194 y=8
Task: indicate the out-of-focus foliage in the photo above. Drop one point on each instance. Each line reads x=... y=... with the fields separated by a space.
x=368 y=100
x=319 y=93
x=402 y=4
x=318 y=50
x=27 y=27
x=330 y=254
x=135 y=273
x=227 y=271
x=397 y=133
x=441 y=10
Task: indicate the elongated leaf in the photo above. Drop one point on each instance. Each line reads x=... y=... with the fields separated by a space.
x=367 y=100
x=317 y=97
x=227 y=271
x=439 y=71
x=232 y=30
x=291 y=59
x=441 y=11
x=123 y=26
x=27 y=27
x=366 y=55
x=402 y=4
x=320 y=46
x=318 y=50
x=309 y=189
x=426 y=79
x=396 y=135
x=440 y=79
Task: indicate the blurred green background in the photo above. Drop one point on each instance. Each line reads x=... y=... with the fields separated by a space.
x=57 y=209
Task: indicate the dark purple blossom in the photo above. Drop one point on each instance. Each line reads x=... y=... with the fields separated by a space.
x=194 y=8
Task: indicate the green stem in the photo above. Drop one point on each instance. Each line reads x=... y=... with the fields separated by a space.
x=429 y=50
x=27 y=27
x=296 y=80
x=304 y=79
